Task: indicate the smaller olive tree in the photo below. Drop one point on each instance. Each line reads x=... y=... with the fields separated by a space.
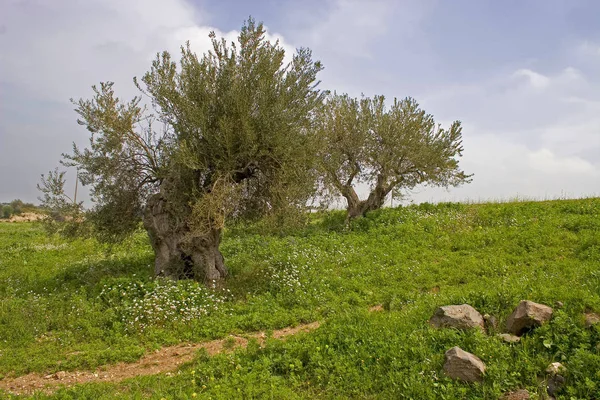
x=389 y=149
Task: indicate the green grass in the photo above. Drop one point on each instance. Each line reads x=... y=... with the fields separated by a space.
x=79 y=305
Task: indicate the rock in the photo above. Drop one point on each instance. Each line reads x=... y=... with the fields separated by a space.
x=559 y=304
x=591 y=319
x=555 y=383
x=59 y=375
x=527 y=315
x=508 y=338
x=555 y=368
x=520 y=394
x=457 y=316
x=490 y=322
x=463 y=366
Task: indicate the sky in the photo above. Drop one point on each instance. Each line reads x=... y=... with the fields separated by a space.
x=522 y=76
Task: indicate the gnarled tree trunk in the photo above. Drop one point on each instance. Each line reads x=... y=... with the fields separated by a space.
x=357 y=208
x=178 y=254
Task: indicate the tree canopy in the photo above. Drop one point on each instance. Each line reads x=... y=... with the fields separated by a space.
x=237 y=133
x=389 y=149
x=225 y=134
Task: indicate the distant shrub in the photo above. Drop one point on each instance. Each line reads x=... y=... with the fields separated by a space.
x=7 y=211
x=17 y=206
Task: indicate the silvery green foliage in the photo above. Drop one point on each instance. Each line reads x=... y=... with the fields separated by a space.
x=389 y=148
x=224 y=135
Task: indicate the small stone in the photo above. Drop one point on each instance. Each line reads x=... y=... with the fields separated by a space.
x=559 y=304
x=457 y=316
x=490 y=322
x=591 y=319
x=520 y=394
x=555 y=383
x=59 y=375
x=555 y=368
x=508 y=338
x=527 y=315
x=463 y=366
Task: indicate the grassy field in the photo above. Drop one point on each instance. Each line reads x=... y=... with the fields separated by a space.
x=80 y=305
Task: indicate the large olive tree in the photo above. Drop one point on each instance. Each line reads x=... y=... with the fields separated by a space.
x=227 y=134
x=388 y=149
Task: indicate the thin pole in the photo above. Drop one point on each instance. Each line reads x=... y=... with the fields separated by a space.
x=76 y=182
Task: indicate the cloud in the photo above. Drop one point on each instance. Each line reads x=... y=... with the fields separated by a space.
x=558 y=107
x=589 y=48
x=56 y=50
x=535 y=79
x=201 y=43
x=359 y=42
x=530 y=125
x=546 y=161
x=525 y=133
x=350 y=27
x=565 y=78
x=506 y=169
x=82 y=43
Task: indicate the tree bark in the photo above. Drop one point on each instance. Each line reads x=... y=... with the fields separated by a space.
x=178 y=254
x=358 y=208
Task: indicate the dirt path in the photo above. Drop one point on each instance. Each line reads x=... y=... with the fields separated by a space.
x=163 y=360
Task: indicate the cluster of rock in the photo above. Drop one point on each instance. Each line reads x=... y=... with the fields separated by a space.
x=467 y=367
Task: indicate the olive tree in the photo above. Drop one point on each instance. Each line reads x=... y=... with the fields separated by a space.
x=226 y=134
x=389 y=149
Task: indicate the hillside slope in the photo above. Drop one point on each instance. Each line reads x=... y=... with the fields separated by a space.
x=79 y=305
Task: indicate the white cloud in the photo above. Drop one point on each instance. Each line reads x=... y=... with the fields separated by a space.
x=535 y=79
x=56 y=50
x=546 y=161
x=525 y=134
x=82 y=43
x=567 y=77
x=350 y=27
x=506 y=169
x=533 y=130
x=571 y=74
x=356 y=40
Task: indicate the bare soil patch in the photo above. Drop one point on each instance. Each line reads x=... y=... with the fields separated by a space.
x=161 y=361
x=24 y=217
